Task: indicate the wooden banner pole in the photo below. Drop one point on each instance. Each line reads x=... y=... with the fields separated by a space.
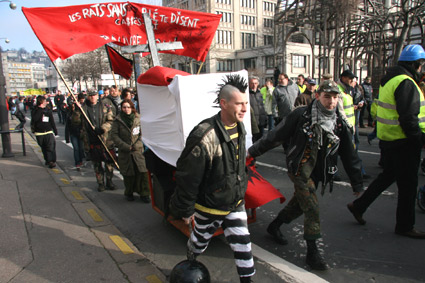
x=84 y=114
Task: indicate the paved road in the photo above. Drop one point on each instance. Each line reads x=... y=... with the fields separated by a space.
x=370 y=253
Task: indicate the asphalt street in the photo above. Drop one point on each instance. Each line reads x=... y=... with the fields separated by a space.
x=370 y=253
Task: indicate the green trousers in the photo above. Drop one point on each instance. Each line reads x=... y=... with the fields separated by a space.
x=138 y=183
x=304 y=201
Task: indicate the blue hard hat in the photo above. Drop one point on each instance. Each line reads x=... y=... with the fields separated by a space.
x=412 y=52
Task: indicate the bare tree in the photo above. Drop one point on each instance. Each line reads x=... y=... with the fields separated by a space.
x=73 y=69
x=351 y=31
x=96 y=64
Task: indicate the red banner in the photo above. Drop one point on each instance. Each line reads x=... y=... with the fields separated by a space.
x=259 y=191
x=118 y=63
x=65 y=31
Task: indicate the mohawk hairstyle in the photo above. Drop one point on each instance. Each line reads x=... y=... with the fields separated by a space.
x=236 y=81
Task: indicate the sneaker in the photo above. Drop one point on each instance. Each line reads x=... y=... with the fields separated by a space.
x=52 y=164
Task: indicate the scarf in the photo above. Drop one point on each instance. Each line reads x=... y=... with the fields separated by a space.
x=325 y=118
x=128 y=119
x=116 y=100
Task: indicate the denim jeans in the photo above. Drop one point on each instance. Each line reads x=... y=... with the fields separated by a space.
x=270 y=122
x=78 y=146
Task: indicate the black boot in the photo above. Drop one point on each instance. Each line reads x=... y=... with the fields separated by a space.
x=245 y=279
x=110 y=185
x=314 y=259
x=274 y=230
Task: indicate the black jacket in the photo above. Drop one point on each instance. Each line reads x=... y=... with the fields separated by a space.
x=256 y=101
x=294 y=131
x=42 y=120
x=407 y=97
x=73 y=125
x=209 y=172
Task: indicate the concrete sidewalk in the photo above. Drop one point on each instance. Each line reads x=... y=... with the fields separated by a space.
x=50 y=232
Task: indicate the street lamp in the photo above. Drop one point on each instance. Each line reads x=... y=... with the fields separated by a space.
x=11 y=5
x=4 y=114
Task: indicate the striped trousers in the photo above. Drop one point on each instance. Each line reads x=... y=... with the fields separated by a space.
x=235 y=227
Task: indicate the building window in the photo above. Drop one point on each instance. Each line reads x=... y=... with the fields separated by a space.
x=224 y=37
x=195 y=67
x=227 y=2
x=224 y=65
x=226 y=17
x=268 y=39
x=249 y=63
x=268 y=6
x=297 y=38
x=298 y=61
x=248 y=40
x=268 y=23
x=248 y=4
x=247 y=20
x=270 y=62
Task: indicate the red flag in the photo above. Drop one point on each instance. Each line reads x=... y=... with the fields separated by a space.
x=65 y=31
x=118 y=63
x=259 y=191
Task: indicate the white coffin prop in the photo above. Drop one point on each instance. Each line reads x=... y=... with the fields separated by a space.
x=169 y=113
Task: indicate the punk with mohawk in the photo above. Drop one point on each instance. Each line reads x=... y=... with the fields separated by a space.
x=212 y=181
x=236 y=81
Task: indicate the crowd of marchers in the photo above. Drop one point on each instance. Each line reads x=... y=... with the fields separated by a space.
x=316 y=123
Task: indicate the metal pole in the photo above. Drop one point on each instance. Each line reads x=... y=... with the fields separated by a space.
x=4 y=115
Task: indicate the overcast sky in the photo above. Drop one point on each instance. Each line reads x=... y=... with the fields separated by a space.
x=15 y=27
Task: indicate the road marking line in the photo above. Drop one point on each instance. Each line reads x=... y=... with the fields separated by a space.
x=286 y=170
x=96 y=217
x=272 y=166
x=65 y=181
x=77 y=195
x=119 y=242
x=57 y=171
x=373 y=153
x=153 y=279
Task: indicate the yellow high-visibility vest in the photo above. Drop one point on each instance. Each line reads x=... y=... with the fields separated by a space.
x=388 y=126
x=347 y=102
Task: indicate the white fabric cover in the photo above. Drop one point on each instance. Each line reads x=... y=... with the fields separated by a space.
x=168 y=114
